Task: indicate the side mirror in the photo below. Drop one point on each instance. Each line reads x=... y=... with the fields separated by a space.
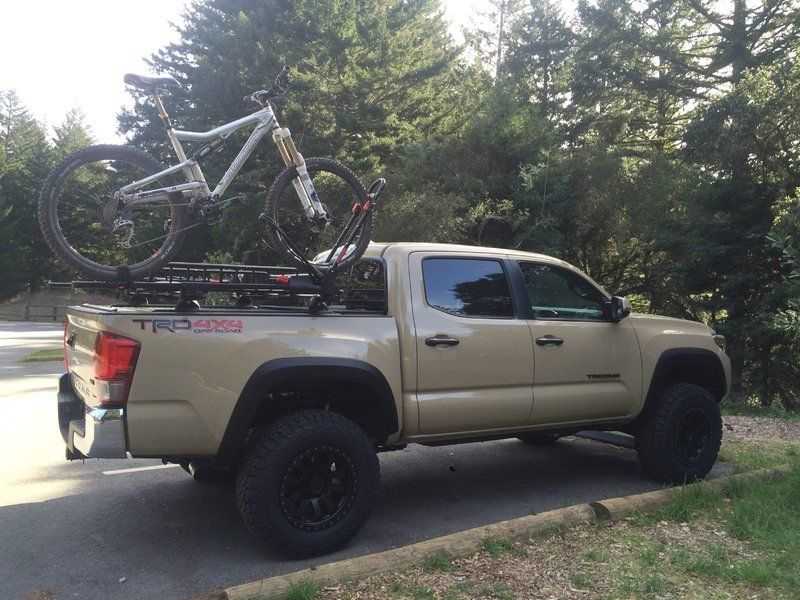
x=619 y=309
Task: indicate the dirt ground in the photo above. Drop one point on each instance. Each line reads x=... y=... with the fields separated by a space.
x=759 y=428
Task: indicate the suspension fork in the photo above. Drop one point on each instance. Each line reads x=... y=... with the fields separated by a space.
x=312 y=207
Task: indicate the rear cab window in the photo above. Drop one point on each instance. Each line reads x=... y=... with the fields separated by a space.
x=468 y=287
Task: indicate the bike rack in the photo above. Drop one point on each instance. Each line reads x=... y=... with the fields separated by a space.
x=185 y=283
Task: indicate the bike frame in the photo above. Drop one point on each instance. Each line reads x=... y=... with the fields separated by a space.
x=133 y=194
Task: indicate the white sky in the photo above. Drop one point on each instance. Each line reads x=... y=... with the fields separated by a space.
x=64 y=54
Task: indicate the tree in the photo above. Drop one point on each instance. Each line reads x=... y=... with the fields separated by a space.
x=25 y=160
x=369 y=77
x=539 y=56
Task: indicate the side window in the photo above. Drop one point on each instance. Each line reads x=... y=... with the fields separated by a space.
x=560 y=294
x=363 y=286
x=467 y=287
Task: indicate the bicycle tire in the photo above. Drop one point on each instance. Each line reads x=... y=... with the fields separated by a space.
x=62 y=248
x=277 y=194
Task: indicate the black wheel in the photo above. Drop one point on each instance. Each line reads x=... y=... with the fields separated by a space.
x=680 y=438
x=77 y=213
x=339 y=190
x=308 y=483
x=539 y=439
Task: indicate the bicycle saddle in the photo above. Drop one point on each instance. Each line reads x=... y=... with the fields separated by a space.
x=151 y=83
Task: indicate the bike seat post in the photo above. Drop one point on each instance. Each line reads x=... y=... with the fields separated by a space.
x=193 y=173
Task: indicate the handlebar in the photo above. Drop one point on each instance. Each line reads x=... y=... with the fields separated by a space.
x=280 y=86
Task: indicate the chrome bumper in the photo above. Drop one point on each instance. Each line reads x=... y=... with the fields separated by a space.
x=89 y=432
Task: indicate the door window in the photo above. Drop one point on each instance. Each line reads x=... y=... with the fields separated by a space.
x=559 y=294
x=467 y=287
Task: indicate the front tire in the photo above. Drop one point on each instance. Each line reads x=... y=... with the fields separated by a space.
x=679 y=440
x=308 y=483
x=338 y=189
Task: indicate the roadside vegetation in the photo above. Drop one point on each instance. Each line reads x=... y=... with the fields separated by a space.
x=739 y=543
x=44 y=355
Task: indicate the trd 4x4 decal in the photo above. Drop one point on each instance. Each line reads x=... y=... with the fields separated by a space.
x=194 y=326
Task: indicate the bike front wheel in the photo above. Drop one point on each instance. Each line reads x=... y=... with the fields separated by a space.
x=301 y=240
x=80 y=221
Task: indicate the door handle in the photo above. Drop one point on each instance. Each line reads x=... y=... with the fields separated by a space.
x=441 y=340
x=549 y=340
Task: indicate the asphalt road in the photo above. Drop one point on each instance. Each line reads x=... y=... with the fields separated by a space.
x=111 y=529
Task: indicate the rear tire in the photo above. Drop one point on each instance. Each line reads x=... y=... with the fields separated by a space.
x=679 y=439
x=54 y=235
x=308 y=483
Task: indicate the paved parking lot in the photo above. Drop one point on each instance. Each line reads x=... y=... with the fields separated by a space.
x=132 y=529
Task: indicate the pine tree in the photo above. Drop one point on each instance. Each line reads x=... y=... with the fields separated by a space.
x=25 y=160
x=368 y=77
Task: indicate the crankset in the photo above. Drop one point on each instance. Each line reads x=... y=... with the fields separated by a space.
x=212 y=212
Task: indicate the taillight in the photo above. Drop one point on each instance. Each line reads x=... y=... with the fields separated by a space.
x=114 y=361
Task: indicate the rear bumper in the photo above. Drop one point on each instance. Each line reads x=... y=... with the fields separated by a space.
x=89 y=432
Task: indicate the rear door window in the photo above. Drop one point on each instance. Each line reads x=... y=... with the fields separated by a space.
x=468 y=287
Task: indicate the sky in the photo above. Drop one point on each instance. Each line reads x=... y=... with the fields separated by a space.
x=64 y=54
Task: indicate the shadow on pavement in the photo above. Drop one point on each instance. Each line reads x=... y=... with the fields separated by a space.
x=172 y=537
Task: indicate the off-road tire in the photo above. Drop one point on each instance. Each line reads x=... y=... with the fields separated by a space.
x=284 y=180
x=539 y=438
x=48 y=217
x=268 y=462
x=664 y=440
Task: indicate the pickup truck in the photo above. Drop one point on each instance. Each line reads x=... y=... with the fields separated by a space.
x=464 y=344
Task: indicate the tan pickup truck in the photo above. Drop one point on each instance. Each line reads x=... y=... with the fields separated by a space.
x=463 y=344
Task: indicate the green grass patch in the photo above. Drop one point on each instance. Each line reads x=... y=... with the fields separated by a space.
x=496 y=547
x=422 y=592
x=458 y=591
x=752 y=408
x=303 y=590
x=44 y=355
x=582 y=581
x=687 y=502
x=762 y=454
x=439 y=561
x=596 y=555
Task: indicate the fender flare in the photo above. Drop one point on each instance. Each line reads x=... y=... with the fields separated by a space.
x=691 y=359
x=274 y=373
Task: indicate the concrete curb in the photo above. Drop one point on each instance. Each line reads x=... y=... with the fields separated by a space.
x=465 y=542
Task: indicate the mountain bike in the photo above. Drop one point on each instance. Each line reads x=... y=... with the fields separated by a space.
x=114 y=212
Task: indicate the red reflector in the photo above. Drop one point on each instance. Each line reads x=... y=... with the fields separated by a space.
x=115 y=356
x=282 y=279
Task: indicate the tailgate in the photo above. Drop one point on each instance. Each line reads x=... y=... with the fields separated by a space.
x=81 y=332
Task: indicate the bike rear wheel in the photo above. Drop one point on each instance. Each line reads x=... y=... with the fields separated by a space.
x=74 y=207
x=300 y=240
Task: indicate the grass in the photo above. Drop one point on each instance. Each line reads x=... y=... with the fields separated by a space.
x=751 y=407
x=44 y=355
x=497 y=547
x=303 y=590
x=439 y=561
x=758 y=455
x=742 y=542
